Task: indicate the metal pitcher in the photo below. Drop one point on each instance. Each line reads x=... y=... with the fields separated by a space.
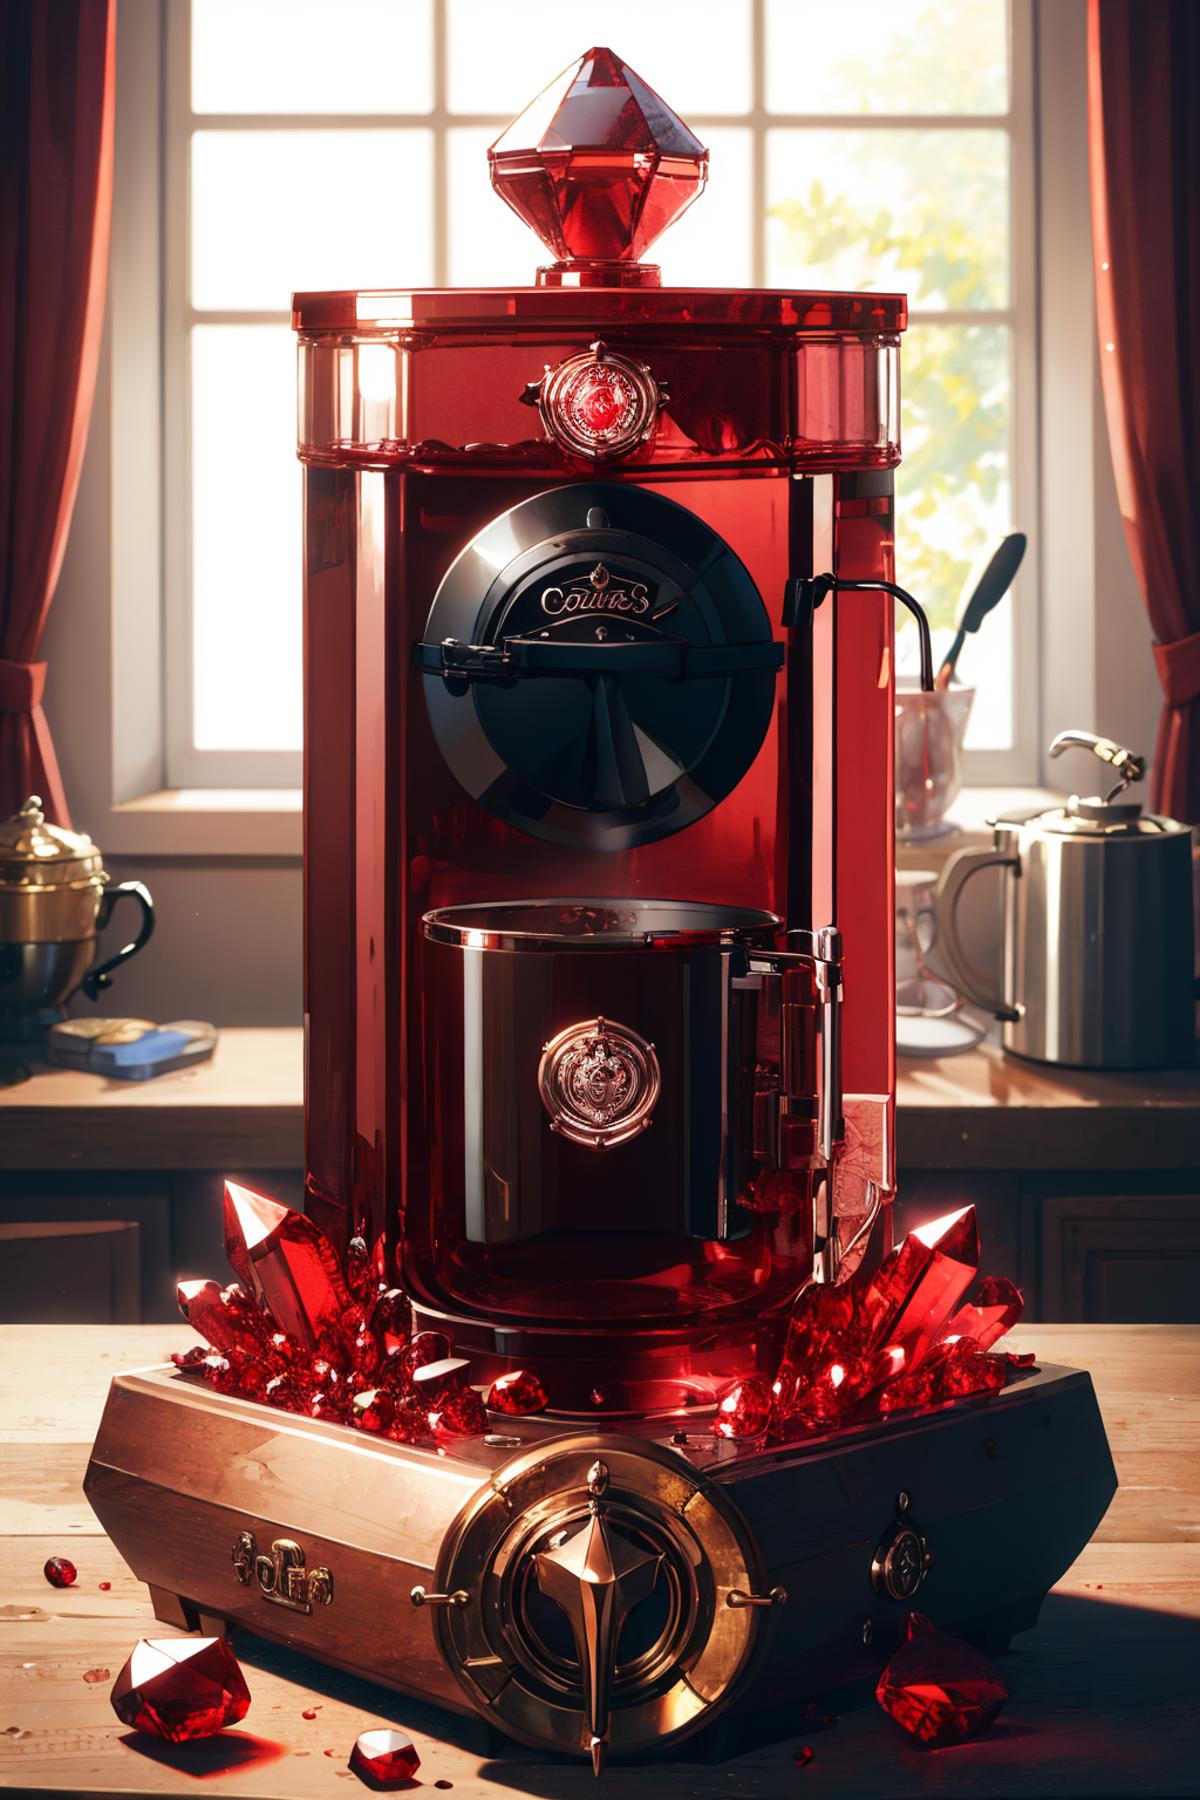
x=1099 y=927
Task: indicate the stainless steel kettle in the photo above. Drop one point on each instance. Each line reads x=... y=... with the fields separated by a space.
x=1099 y=927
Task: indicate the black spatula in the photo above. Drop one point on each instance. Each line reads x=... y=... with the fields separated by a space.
x=990 y=589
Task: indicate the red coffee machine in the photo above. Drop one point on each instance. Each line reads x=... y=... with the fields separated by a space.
x=599 y=1002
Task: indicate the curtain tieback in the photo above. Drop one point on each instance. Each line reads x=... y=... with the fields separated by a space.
x=21 y=686
x=1178 y=669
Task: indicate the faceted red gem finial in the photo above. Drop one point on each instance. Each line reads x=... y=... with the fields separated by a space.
x=598 y=165
x=181 y=1688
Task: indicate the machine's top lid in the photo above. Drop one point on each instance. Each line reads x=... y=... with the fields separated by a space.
x=599 y=166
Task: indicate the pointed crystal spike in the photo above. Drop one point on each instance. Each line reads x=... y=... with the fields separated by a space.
x=291 y=1264
x=917 y=1288
x=598 y=165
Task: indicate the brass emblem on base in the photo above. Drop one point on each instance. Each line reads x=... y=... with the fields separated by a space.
x=282 y=1577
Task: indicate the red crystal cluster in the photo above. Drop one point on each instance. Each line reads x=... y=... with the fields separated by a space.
x=915 y=1333
x=303 y=1331
x=937 y=1688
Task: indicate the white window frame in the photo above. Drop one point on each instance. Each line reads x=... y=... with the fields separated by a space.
x=115 y=630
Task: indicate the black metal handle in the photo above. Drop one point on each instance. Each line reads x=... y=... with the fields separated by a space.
x=97 y=979
x=519 y=658
x=804 y=593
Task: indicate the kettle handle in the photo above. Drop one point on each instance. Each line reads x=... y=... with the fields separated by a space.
x=96 y=979
x=955 y=876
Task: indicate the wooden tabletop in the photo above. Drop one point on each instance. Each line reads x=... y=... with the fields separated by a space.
x=1103 y=1699
x=244 y=1109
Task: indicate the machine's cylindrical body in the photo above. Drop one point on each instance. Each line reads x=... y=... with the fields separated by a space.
x=436 y=508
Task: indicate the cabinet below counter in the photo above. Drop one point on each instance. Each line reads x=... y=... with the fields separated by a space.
x=1087 y=1185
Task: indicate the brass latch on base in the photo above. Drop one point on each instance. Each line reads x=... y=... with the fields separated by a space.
x=282 y=1577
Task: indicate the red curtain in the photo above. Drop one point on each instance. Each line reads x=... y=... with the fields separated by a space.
x=57 y=82
x=1144 y=139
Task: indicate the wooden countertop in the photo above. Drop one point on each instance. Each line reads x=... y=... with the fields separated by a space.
x=244 y=1109
x=986 y=1110
x=1102 y=1693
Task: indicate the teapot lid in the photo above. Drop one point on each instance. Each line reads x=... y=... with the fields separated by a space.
x=33 y=852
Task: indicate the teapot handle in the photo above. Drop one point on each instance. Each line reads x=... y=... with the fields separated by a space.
x=99 y=978
x=958 y=871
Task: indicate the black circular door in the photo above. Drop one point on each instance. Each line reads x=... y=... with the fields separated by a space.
x=600 y=667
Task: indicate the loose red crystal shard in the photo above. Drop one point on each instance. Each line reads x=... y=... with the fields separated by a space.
x=435 y=1382
x=289 y=1261
x=598 y=164
x=409 y=1423
x=744 y=1410
x=461 y=1415
x=374 y=1410
x=391 y=1320
x=189 y=1359
x=181 y=1688
x=285 y=1392
x=992 y=1307
x=225 y=1318
x=517 y=1393
x=918 y=1287
x=384 y=1759
x=358 y=1267
x=937 y=1688
x=1017 y=1359
x=60 y=1572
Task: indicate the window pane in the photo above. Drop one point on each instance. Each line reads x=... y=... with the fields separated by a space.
x=273 y=211
x=490 y=247
x=925 y=212
x=246 y=543
x=954 y=504
x=305 y=56
x=502 y=53
x=881 y=56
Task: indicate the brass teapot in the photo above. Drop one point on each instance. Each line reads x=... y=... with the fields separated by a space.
x=54 y=901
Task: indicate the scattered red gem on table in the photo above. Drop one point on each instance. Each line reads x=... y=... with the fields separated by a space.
x=937 y=1688
x=181 y=1688
x=310 y=1713
x=59 y=1572
x=517 y=1393
x=384 y=1758
x=104 y=1586
x=803 y=1756
x=92 y=1676
x=744 y=1410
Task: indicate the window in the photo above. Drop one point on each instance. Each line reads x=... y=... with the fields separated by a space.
x=312 y=146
